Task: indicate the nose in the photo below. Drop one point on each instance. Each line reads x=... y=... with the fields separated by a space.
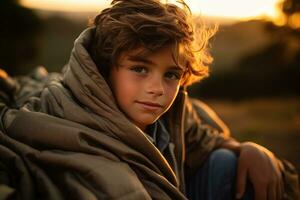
x=155 y=86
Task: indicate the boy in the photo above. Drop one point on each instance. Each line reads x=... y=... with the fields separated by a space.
x=118 y=123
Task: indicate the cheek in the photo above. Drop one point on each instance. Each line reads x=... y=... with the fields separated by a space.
x=126 y=90
x=172 y=91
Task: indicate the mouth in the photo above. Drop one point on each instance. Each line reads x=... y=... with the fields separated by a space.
x=150 y=105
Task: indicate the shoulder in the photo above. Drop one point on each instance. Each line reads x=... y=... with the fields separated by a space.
x=200 y=112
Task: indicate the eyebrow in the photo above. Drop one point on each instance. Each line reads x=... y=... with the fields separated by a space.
x=146 y=61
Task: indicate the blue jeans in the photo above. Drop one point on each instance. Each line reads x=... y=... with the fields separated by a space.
x=215 y=180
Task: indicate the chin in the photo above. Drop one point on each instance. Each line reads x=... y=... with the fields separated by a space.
x=147 y=121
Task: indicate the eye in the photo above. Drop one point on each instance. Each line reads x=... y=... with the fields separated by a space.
x=173 y=75
x=139 y=69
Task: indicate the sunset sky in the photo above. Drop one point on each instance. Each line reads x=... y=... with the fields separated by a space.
x=239 y=9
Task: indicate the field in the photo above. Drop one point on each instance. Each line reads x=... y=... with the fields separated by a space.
x=273 y=123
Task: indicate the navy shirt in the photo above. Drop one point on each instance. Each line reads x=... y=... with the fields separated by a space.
x=159 y=135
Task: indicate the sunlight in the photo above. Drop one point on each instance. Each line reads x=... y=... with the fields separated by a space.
x=295 y=21
x=225 y=8
x=66 y=5
x=236 y=8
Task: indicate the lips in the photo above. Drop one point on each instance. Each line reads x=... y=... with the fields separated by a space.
x=149 y=105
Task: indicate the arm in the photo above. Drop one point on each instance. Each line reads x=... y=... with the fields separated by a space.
x=204 y=132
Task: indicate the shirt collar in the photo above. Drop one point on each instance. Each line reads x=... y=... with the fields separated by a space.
x=158 y=134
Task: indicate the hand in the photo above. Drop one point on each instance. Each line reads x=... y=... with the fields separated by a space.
x=260 y=166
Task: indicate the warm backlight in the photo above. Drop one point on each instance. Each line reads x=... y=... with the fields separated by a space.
x=241 y=9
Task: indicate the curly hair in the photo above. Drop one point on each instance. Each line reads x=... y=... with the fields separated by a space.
x=151 y=24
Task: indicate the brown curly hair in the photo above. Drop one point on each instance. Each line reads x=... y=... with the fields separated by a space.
x=151 y=24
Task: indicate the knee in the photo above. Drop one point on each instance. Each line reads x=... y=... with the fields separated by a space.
x=223 y=156
x=223 y=160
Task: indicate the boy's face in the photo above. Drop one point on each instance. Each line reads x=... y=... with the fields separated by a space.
x=145 y=86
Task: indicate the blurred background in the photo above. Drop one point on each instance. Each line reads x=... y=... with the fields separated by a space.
x=255 y=77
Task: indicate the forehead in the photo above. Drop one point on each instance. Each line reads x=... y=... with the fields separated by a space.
x=168 y=54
